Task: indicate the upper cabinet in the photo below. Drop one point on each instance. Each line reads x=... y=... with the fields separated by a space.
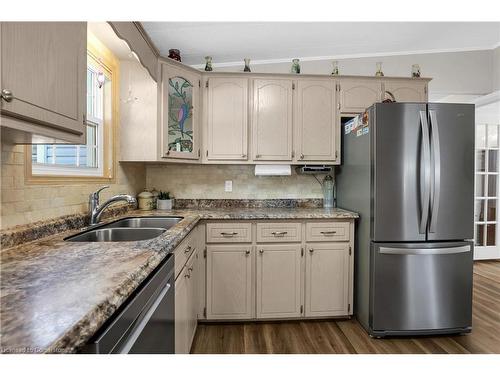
x=407 y=90
x=272 y=119
x=253 y=118
x=43 y=79
x=179 y=112
x=316 y=121
x=227 y=118
x=358 y=94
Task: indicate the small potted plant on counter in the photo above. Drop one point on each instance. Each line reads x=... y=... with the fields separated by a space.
x=165 y=201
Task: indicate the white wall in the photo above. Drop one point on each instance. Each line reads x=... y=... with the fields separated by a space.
x=451 y=72
x=496 y=69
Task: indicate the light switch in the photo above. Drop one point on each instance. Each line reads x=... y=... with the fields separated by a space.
x=228 y=186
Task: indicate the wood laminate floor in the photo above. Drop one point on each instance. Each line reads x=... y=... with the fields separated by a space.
x=347 y=336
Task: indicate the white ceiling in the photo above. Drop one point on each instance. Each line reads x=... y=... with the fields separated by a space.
x=229 y=42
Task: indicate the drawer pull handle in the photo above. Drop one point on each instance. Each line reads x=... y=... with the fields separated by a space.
x=278 y=234
x=328 y=232
x=188 y=249
x=228 y=234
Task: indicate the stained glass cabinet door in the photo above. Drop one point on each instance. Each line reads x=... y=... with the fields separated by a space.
x=180 y=113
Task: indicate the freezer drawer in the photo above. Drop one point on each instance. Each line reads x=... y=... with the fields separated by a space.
x=421 y=288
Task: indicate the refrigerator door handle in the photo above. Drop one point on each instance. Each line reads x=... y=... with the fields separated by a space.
x=436 y=189
x=425 y=182
x=435 y=251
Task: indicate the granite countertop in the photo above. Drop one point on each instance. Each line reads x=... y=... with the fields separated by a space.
x=55 y=295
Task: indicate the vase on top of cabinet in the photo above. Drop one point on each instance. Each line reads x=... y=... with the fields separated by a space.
x=179 y=113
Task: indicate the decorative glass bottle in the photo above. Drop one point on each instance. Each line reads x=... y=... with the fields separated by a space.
x=247 y=65
x=415 y=71
x=335 y=70
x=379 y=72
x=208 y=64
x=327 y=191
x=295 y=66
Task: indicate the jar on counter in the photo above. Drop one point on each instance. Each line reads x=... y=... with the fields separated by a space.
x=155 y=193
x=145 y=200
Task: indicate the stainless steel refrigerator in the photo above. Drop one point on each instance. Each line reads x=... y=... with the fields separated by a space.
x=409 y=172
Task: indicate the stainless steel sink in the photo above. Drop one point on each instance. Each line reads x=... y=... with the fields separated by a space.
x=116 y=235
x=165 y=222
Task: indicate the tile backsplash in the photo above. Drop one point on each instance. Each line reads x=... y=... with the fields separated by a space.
x=23 y=203
x=207 y=182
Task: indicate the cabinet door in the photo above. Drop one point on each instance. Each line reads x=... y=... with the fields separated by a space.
x=43 y=64
x=407 y=90
x=327 y=279
x=192 y=298
x=316 y=121
x=181 y=312
x=227 y=119
x=229 y=282
x=272 y=119
x=358 y=94
x=278 y=281
x=201 y=277
x=180 y=113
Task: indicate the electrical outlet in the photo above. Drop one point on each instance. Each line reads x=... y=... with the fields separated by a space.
x=228 y=186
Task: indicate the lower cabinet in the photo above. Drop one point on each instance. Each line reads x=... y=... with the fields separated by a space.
x=187 y=303
x=229 y=282
x=278 y=281
x=288 y=269
x=327 y=279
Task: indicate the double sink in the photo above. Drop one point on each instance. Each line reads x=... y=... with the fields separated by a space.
x=127 y=229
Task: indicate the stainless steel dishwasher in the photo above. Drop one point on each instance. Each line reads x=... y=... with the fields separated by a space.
x=145 y=323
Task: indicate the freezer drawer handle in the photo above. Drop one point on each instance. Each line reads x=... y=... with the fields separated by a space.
x=140 y=327
x=437 y=251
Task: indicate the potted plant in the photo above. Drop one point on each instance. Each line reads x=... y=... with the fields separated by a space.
x=165 y=201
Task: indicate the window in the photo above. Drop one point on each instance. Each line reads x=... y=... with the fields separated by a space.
x=93 y=160
x=486 y=190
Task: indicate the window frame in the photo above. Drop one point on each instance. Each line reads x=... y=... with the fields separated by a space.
x=97 y=55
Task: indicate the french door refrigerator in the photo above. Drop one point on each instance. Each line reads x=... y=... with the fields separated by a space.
x=409 y=173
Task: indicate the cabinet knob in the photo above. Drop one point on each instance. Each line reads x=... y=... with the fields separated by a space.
x=311 y=250
x=190 y=269
x=247 y=252
x=243 y=155
x=301 y=156
x=261 y=251
x=7 y=95
x=188 y=249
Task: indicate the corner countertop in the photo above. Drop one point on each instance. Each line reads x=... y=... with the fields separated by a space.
x=55 y=295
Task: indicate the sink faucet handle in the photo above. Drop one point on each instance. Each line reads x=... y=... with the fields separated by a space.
x=95 y=195
x=101 y=189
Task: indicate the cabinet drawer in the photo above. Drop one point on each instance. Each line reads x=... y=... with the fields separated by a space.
x=229 y=232
x=183 y=251
x=327 y=231
x=279 y=232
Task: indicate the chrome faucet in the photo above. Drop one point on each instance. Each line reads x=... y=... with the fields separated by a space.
x=96 y=209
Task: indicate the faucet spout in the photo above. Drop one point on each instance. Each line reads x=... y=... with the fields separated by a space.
x=97 y=209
